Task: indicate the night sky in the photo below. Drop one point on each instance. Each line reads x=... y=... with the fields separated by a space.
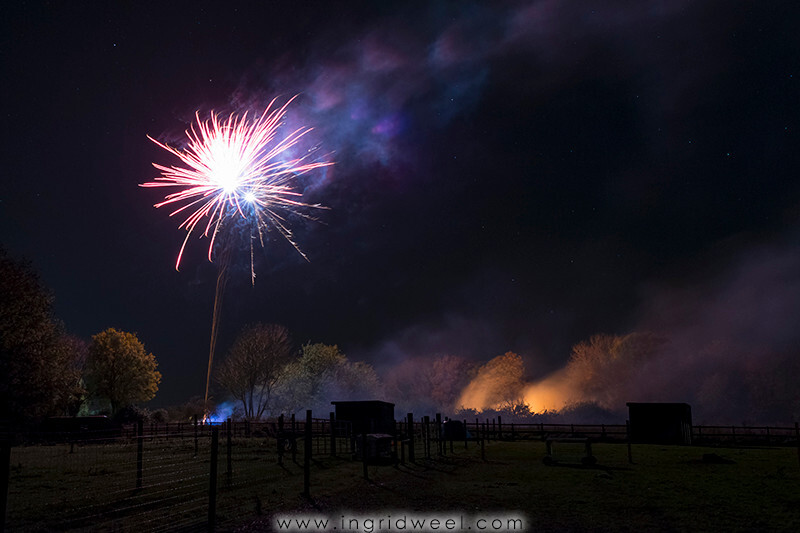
x=509 y=175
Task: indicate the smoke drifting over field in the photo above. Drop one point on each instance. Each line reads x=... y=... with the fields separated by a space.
x=729 y=346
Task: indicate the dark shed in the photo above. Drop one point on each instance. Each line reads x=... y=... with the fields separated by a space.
x=660 y=423
x=369 y=416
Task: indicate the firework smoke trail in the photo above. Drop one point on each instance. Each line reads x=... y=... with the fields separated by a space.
x=235 y=168
x=219 y=292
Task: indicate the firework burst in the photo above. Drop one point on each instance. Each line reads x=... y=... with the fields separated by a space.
x=236 y=167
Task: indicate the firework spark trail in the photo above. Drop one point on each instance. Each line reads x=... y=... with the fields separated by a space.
x=234 y=167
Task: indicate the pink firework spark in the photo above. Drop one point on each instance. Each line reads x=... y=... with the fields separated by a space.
x=235 y=167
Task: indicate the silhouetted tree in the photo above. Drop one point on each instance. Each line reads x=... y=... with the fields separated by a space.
x=70 y=353
x=39 y=364
x=429 y=383
x=120 y=370
x=185 y=412
x=449 y=375
x=254 y=366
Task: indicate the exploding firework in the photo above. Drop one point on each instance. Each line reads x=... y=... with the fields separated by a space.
x=236 y=167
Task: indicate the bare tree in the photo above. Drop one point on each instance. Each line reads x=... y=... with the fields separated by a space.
x=254 y=366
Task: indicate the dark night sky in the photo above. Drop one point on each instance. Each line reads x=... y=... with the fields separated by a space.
x=509 y=175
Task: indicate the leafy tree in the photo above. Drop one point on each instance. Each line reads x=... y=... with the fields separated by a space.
x=254 y=366
x=69 y=388
x=120 y=370
x=604 y=367
x=322 y=373
x=498 y=384
x=39 y=364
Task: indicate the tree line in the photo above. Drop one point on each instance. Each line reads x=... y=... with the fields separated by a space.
x=45 y=371
x=264 y=374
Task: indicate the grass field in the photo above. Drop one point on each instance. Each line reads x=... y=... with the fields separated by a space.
x=668 y=488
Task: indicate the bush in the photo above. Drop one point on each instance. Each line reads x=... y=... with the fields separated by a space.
x=131 y=414
x=159 y=416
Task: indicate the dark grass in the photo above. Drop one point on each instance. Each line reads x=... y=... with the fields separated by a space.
x=669 y=488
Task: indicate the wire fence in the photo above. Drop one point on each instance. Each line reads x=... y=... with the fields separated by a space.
x=148 y=477
x=168 y=477
x=100 y=483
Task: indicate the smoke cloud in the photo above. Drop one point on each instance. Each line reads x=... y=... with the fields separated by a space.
x=729 y=346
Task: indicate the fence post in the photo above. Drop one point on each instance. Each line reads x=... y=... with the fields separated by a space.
x=281 y=440
x=195 y=435
x=481 y=436
x=333 y=433
x=442 y=439
x=212 y=479
x=402 y=444
x=294 y=439
x=439 y=446
x=411 y=438
x=430 y=435
x=797 y=436
x=307 y=455
x=5 y=471
x=139 y=452
x=395 y=442
x=426 y=435
x=628 y=438
x=229 y=471
x=364 y=453
x=465 y=433
x=499 y=427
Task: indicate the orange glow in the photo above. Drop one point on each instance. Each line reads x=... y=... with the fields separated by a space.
x=476 y=396
x=551 y=393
